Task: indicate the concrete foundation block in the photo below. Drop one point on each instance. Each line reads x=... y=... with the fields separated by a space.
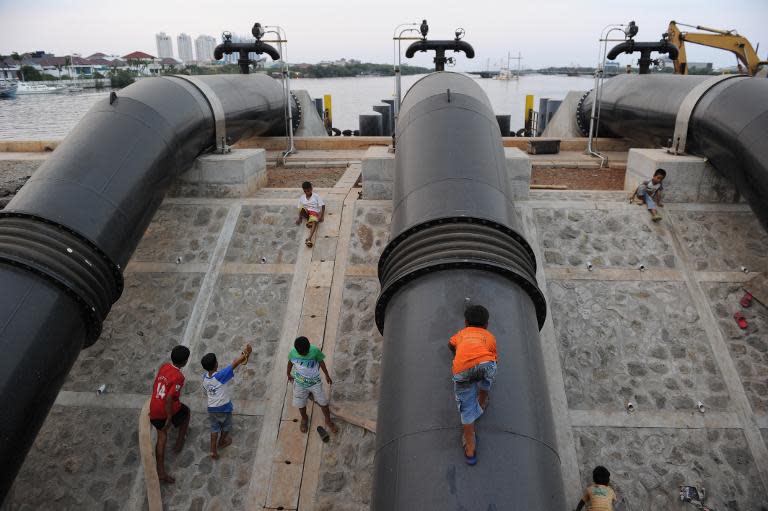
x=239 y=173
x=689 y=178
x=518 y=172
x=378 y=169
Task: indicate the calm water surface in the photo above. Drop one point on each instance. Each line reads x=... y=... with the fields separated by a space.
x=51 y=116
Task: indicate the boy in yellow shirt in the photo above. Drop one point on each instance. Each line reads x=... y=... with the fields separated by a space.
x=599 y=496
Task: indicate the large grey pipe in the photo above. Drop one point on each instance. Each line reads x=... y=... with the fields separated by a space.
x=728 y=124
x=455 y=236
x=68 y=234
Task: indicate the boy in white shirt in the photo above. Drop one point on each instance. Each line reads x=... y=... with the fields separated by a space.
x=311 y=208
x=215 y=384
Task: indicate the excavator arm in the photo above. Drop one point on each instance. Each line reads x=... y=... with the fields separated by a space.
x=723 y=39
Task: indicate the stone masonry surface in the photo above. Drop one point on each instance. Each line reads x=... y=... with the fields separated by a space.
x=346 y=472
x=346 y=469
x=748 y=348
x=370 y=233
x=244 y=308
x=181 y=233
x=139 y=333
x=203 y=483
x=633 y=341
x=717 y=241
x=83 y=458
x=607 y=238
x=357 y=359
x=648 y=465
x=265 y=232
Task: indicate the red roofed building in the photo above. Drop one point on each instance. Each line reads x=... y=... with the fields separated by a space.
x=138 y=55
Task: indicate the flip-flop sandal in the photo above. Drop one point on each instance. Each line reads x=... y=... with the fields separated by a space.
x=469 y=460
x=304 y=426
x=746 y=300
x=741 y=320
x=323 y=434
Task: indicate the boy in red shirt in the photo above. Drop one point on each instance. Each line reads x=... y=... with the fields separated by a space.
x=474 y=368
x=166 y=409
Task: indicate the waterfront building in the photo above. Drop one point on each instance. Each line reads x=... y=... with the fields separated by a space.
x=204 y=46
x=164 y=45
x=184 y=45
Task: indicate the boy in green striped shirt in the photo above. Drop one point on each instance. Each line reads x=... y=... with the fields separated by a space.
x=304 y=364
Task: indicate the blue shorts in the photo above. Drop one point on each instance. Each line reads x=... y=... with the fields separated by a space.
x=465 y=385
x=220 y=421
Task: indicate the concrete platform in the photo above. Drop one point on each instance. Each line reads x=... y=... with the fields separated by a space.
x=239 y=173
x=379 y=170
x=689 y=178
x=213 y=273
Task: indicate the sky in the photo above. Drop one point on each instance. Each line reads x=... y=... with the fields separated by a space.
x=545 y=32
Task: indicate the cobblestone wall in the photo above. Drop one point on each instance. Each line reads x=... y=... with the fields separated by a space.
x=615 y=238
x=244 y=308
x=748 y=348
x=370 y=233
x=638 y=341
x=357 y=359
x=139 y=333
x=648 y=465
x=83 y=458
x=717 y=241
x=267 y=232
x=181 y=233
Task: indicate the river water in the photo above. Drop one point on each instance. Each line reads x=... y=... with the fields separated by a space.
x=51 y=116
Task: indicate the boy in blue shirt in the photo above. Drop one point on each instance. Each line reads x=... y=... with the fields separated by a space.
x=304 y=364
x=215 y=384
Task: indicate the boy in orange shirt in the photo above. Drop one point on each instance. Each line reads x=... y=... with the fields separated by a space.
x=600 y=496
x=474 y=368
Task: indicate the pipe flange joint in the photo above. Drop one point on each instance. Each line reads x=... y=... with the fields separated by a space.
x=65 y=258
x=457 y=243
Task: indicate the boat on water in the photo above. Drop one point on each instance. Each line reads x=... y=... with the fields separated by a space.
x=7 y=88
x=38 y=88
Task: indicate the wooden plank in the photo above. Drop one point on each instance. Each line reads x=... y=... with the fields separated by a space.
x=257 y=269
x=258 y=488
x=312 y=459
x=313 y=328
x=758 y=286
x=320 y=274
x=291 y=442
x=362 y=270
x=354 y=417
x=315 y=301
x=284 y=486
x=147 y=452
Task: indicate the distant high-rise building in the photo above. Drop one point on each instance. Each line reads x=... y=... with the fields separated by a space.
x=164 y=45
x=204 y=46
x=184 y=44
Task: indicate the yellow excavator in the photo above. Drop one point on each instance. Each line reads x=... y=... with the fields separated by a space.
x=728 y=40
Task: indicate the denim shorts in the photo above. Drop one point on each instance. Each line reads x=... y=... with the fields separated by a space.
x=220 y=421
x=465 y=385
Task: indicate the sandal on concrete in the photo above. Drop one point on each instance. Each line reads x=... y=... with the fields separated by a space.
x=469 y=460
x=740 y=320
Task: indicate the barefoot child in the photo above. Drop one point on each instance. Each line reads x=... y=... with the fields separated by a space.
x=474 y=368
x=311 y=208
x=304 y=364
x=215 y=384
x=649 y=192
x=600 y=496
x=165 y=408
